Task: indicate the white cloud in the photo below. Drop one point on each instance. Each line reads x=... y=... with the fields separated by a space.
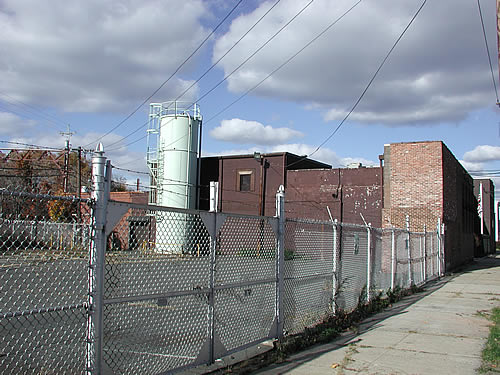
x=85 y=56
x=471 y=166
x=11 y=125
x=243 y=132
x=324 y=155
x=437 y=73
x=482 y=153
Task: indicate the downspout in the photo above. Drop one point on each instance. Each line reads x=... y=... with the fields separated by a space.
x=381 y=159
x=221 y=185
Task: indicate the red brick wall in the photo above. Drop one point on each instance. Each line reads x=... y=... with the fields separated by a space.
x=415 y=186
x=425 y=181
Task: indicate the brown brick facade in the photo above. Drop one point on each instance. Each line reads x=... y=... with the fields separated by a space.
x=413 y=185
x=425 y=181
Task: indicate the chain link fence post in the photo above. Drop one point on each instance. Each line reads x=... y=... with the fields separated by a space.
x=335 y=281
x=408 y=247
x=368 y=262
x=393 y=257
x=425 y=253
x=280 y=259
x=100 y=195
x=439 y=246
x=211 y=296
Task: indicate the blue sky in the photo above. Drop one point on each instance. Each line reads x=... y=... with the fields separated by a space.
x=91 y=63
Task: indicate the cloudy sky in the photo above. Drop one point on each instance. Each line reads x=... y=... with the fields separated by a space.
x=292 y=71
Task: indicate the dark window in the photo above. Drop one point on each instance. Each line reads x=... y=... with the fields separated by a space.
x=245 y=181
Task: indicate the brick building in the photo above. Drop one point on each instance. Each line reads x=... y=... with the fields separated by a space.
x=484 y=191
x=139 y=229
x=422 y=180
x=425 y=181
x=248 y=185
x=353 y=195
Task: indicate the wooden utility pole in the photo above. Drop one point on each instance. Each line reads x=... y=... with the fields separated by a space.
x=79 y=183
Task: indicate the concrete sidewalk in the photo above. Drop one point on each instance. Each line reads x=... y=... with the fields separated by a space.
x=439 y=331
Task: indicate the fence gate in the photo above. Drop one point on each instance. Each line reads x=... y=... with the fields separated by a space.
x=184 y=287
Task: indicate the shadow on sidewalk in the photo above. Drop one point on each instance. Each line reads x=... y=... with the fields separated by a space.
x=374 y=321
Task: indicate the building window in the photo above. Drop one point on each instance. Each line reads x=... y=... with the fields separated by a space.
x=245 y=181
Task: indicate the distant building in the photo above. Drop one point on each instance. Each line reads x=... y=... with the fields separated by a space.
x=421 y=180
x=353 y=195
x=426 y=182
x=484 y=191
x=248 y=185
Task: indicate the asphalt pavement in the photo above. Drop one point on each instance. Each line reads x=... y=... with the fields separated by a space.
x=439 y=331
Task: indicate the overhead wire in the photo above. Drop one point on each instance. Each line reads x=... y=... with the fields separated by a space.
x=171 y=76
x=281 y=65
x=244 y=62
x=32 y=110
x=23 y=115
x=217 y=62
x=255 y=52
x=229 y=50
x=32 y=145
x=488 y=51
x=363 y=92
x=286 y=62
x=372 y=79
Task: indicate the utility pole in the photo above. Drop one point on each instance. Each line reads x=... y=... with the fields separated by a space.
x=68 y=135
x=79 y=182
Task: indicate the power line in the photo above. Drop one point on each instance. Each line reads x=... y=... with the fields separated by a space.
x=367 y=86
x=32 y=110
x=284 y=63
x=488 y=51
x=129 y=170
x=31 y=145
x=256 y=51
x=16 y=112
x=214 y=64
x=170 y=77
x=230 y=74
x=262 y=81
x=229 y=50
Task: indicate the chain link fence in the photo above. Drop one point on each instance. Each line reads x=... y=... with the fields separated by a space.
x=44 y=242
x=131 y=289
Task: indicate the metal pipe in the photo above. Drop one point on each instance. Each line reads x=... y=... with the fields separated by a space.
x=96 y=263
x=280 y=260
x=198 y=167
